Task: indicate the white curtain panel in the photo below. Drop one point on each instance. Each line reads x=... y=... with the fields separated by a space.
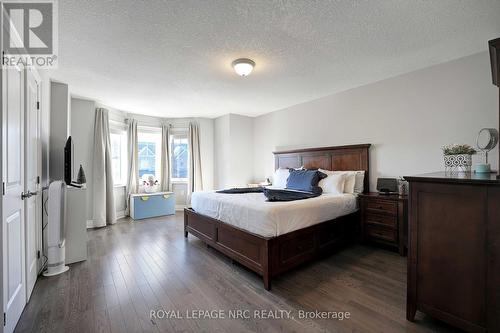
x=195 y=182
x=103 y=196
x=165 y=158
x=133 y=162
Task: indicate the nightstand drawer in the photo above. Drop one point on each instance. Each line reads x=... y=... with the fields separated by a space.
x=382 y=206
x=373 y=231
x=387 y=220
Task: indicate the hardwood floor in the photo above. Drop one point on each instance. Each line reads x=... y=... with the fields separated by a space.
x=136 y=267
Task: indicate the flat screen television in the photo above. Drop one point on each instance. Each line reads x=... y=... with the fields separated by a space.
x=68 y=161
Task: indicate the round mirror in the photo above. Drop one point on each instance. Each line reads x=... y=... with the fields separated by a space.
x=487 y=139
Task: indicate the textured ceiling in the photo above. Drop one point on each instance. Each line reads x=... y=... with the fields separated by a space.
x=172 y=58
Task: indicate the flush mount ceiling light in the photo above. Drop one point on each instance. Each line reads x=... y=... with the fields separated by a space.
x=243 y=66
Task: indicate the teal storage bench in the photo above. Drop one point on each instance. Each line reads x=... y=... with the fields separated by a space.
x=145 y=205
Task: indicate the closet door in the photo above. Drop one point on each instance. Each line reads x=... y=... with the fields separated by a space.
x=14 y=278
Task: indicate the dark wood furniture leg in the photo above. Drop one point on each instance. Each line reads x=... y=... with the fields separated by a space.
x=185 y=225
x=411 y=311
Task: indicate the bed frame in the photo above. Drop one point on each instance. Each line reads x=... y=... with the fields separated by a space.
x=270 y=256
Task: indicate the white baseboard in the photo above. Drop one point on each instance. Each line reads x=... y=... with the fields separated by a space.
x=90 y=224
x=180 y=207
x=121 y=214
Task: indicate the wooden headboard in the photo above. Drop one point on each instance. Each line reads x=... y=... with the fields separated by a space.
x=342 y=158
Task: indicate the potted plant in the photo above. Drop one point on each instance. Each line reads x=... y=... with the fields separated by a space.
x=458 y=157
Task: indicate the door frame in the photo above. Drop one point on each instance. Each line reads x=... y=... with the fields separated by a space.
x=1 y=167
x=38 y=226
x=1 y=164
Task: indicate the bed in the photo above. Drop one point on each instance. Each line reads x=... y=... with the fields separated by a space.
x=273 y=237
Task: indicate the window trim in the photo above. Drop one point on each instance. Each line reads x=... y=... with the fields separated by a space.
x=120 y=129
x=183 y=134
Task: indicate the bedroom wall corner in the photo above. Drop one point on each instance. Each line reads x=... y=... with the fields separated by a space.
x=207 y=135
x=233 y=139
x=222 y=151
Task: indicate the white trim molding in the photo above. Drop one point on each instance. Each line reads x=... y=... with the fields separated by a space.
x=180 y=207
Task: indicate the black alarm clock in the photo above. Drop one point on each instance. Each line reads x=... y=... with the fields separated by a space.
x=387 y=185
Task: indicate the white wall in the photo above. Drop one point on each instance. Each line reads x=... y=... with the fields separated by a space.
x=82 y=133
x=241 y=132
x=233 y=151
x=407 y=119
x=45 y=125
x=59 y=128
x=222 y=152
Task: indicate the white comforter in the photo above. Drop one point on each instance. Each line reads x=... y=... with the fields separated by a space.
x=251 y=211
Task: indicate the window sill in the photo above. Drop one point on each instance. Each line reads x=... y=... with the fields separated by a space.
x=178 y=181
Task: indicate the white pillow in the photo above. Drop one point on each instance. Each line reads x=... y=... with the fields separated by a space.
x=333 y=183
x=359 y=182
x=350 y=179
x=280 y=177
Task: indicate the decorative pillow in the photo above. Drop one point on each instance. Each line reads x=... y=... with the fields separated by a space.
x=304 y=180
x=350 y=180
x=280 y=177
x=334 y=183
x=359 y=182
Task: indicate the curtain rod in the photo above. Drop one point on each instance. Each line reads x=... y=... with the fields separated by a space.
x=146 y=124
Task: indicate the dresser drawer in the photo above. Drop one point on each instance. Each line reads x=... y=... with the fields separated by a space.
x=377 y=218
x=378 y=232
x=382 y=206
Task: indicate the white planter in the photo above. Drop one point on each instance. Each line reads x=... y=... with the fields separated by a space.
x=458 y=163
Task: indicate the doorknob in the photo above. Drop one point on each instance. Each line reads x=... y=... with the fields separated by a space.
x=27 y=195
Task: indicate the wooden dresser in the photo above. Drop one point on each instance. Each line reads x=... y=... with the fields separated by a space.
x=385 y=219
x=454 y=250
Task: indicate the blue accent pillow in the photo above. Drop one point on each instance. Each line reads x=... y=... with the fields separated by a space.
x=304 y=180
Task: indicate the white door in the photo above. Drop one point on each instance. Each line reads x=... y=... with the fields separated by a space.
x=33 y=202
x=14 y=284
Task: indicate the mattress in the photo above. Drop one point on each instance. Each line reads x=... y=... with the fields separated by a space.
x=251 y=211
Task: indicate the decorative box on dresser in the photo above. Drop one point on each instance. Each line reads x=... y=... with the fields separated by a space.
x=385 y=219
x=454 y=249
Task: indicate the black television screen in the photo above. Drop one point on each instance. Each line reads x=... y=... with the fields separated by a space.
x=68 y=160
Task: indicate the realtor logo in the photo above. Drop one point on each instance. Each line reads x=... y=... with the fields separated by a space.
x=30 y=33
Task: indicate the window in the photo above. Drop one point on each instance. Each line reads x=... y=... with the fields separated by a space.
x=179 y=157
x=149 y=147
x=119 y=156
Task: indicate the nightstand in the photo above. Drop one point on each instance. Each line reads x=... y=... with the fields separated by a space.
x=385 y=219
